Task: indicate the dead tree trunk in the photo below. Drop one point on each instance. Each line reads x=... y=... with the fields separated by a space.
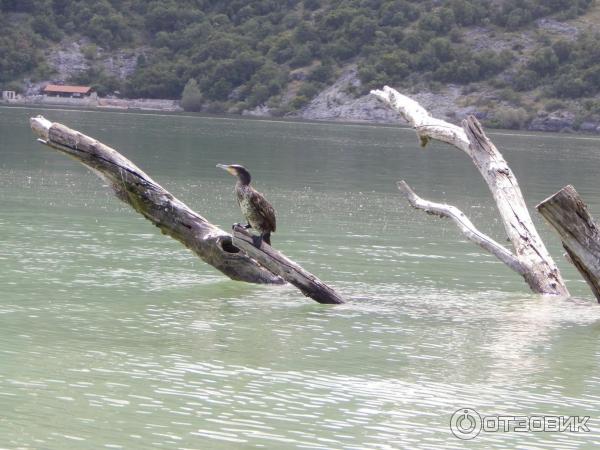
x=539 y=270
x=542 y=274
x=287 y=269
x=578 y=231
x=156 y=204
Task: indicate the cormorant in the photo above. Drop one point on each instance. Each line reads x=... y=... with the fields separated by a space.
x=258 y=211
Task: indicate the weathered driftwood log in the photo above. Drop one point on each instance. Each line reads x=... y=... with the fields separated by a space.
x=579 y=233
x=464 y=224
x=540 y=272
x=147 y=197
x=287 y=269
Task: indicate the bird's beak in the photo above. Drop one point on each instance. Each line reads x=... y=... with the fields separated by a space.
x=227 y=168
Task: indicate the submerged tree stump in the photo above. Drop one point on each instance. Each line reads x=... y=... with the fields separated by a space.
x=287 y=269
x=579 y=233
x=541 y=273
x=534 y=262
x=131 y=185
x=243 y=262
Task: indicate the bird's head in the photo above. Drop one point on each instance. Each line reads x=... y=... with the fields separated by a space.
x=236 y=170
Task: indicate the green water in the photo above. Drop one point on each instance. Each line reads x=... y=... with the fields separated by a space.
x=113 y=336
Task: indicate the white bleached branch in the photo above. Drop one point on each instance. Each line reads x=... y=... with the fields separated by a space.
x=426 y=126
x=464 y=224
x=578 y=231
x=539 y=270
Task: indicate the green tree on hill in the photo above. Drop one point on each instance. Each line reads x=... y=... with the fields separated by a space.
x=191 y=97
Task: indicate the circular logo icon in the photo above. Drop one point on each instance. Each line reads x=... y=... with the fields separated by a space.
x=465 y=423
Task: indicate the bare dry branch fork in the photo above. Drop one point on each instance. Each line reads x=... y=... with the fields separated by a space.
x=530 y=258
x=464 y=224
x=172 y=216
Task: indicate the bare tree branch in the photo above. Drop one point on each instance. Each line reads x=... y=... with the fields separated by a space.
x=541 y=273
x=464 y=224
x=426 y=126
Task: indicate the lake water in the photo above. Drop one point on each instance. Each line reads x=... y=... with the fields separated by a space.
x=113 y=336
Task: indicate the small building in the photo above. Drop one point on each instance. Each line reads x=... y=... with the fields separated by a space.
x=9 y=95
x=55 y=90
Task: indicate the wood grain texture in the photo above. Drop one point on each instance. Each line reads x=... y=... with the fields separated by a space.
x=542 y=274
x=287 y=269
x=578 y=231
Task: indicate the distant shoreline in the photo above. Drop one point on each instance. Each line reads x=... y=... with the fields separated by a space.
x=188 y=114
x=579 y=135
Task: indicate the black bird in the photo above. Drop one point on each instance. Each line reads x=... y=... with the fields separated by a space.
x=258 y=211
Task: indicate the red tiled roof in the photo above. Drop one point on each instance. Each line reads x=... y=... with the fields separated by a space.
x=67 y=89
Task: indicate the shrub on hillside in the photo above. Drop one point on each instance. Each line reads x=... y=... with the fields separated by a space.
x=191 y=97
x=525 y=80
x=554 y=105
x=509 y=118
x=568 y=85
x=299 y=102
x=544 y=62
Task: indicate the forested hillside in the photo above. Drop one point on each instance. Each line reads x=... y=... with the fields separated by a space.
x=236 y=55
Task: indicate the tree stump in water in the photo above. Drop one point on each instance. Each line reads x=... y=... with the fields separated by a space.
x=578 y=231
x=530 y=257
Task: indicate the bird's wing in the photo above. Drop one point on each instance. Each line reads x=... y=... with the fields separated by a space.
x=264 y=208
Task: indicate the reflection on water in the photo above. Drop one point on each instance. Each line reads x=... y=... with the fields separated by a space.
x=113 y=336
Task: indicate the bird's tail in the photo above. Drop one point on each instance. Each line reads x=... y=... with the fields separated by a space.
x=267 y=237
